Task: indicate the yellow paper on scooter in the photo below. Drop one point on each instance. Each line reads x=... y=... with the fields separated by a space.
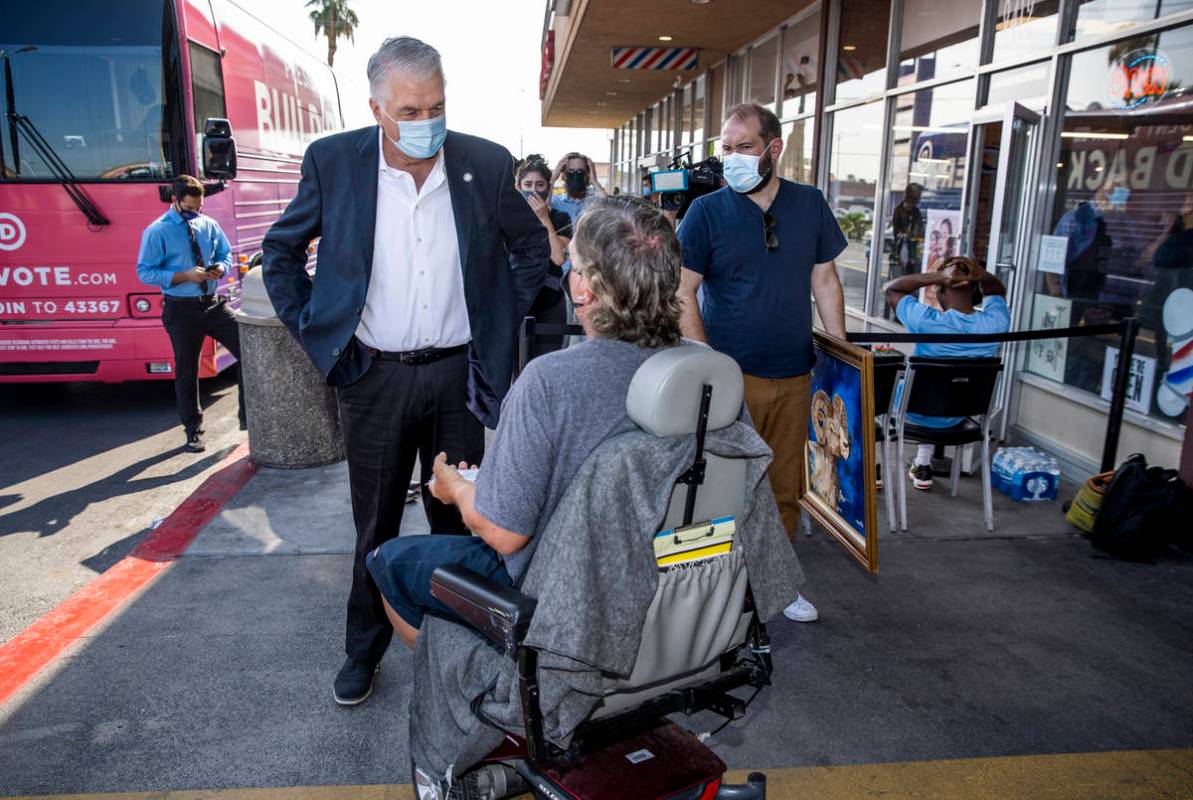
x=694 y=542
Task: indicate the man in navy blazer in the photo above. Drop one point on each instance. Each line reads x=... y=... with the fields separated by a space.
x=428 y=258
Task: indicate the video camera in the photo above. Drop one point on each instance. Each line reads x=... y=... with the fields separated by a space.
x=684 y=181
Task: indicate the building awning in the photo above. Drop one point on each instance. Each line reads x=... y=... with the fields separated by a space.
x=586 y=90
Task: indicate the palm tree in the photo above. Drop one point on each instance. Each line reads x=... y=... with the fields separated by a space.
x=334 y=19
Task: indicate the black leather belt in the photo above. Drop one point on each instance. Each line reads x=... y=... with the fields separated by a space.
x=417 y=357
x=204 y=299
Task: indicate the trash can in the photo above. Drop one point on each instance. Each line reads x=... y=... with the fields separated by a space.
x=293 y=417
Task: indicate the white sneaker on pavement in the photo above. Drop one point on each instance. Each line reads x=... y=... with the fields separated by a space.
x=801 y=610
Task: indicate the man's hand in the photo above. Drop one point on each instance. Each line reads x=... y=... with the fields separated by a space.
x=447 y=480
x=197 y=275
x=953 y=277
x=559 y=169
x=593 y=180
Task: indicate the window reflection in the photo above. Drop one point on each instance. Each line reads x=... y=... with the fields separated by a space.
x=716 y=85
x=853 y=179
x=762 y=73
x=1024 y=28
x=1020 y=84
x=795 y=164
x=925 y=180
x=1123 y=217
x=938 y=39
x=861 y=61
x=801 y=44
x=1106 y=17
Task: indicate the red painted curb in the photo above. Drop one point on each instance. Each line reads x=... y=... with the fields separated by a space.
x=39 y=645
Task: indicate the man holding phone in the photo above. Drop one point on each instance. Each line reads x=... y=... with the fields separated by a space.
x=185 y=254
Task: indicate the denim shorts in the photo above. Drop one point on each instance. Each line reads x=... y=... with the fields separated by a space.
x=402 y=569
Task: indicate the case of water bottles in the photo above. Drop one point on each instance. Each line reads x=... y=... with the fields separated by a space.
x=1025 y=474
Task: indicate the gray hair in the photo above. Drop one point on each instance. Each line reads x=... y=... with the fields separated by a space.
x=629 y=254
x=402 y=54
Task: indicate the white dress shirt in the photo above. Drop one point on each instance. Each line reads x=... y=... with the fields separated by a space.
x=415 y=298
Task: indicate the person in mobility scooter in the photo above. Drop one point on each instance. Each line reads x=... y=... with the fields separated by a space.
x=649 y=554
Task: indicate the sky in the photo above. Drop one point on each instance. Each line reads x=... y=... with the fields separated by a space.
x=491 y=58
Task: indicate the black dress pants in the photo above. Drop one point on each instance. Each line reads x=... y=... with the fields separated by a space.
x=188 y=321
x=391 y=415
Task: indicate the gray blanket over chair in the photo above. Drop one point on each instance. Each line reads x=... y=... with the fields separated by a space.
x=594 y=576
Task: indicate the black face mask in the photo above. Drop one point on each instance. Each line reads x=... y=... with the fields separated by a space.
x=765 y=172
x=543 y=195
x=576 y=181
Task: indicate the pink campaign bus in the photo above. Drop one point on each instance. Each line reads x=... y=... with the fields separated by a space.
x=101 y=105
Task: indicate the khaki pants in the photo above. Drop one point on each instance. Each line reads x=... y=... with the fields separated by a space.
x=780 y=408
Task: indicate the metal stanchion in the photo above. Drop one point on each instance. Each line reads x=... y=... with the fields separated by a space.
x=1118 y=400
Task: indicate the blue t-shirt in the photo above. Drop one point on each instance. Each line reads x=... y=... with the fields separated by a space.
x=757 y=303
x=920 y=318
x=561 y=407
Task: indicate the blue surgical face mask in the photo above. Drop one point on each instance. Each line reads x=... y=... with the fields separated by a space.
x=1119 y=195
x=741 y=172
x=419 y=138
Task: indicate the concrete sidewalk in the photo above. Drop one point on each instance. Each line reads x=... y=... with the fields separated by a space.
x=965 y=645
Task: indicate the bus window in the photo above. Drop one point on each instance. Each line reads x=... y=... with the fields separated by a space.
x=207 y=82
x=96 y=85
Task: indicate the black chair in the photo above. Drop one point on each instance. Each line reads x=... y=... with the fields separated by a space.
x=949 y=387
x=887 y=368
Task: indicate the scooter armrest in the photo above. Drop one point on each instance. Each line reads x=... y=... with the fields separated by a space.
x=500 y=613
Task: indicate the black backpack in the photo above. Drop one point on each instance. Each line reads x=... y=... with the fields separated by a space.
x=1140 y=514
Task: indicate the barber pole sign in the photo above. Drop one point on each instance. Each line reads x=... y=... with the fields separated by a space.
x=668 y=58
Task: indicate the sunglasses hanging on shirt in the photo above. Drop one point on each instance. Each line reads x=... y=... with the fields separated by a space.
x=772 y=238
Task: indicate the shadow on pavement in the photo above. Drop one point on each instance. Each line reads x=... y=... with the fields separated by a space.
x=51 y=514
x=35 y=418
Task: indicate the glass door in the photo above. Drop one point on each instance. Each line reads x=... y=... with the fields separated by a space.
x=1004 y=144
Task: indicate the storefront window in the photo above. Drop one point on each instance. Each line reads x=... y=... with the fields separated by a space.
x=762 y=73
x=801 y=47
x=1104 y=17
x=1120 y=240
x=698 y=110
x=925 y=181
x=716 y=88
x=1018 y=85
x=853 y=177
x=1024 y=28
x=796 y=162
x=737 y=79
x=861 y=61
x=938 y=39
x=685 y=116
x=664 y=141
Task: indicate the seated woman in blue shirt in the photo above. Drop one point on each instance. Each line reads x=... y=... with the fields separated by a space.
x=958 y=284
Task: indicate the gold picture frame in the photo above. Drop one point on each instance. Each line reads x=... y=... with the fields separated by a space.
x=839 y=457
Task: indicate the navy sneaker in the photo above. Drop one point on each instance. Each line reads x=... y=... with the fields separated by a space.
x=195 y=443
x=354 y=683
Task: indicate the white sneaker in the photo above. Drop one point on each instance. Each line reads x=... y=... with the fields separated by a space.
x=801 y=610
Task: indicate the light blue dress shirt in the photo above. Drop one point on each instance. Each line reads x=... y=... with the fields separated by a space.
x=166 y=249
